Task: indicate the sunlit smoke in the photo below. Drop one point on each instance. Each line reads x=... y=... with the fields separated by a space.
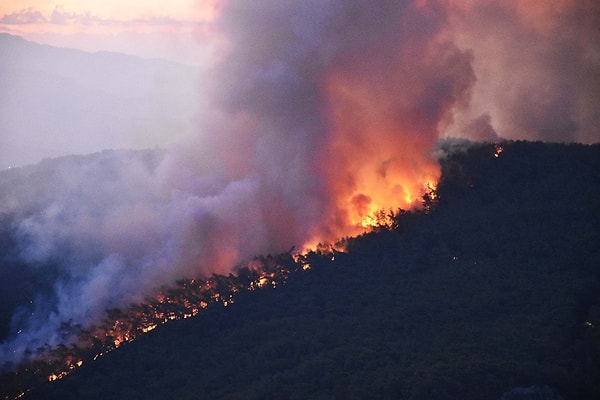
x=313 y=117
x=387 y=111
x=348 y=99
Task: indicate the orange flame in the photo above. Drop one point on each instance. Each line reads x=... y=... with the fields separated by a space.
x=376 y=163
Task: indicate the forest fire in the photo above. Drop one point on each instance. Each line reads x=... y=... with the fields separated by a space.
x=302 y=136
x=313 y=121
x=379 y=152
x=184 y=300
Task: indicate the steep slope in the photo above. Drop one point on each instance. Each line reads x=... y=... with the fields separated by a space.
x=496 y=287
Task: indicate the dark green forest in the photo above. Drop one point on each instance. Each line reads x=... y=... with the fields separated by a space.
x=495 y=285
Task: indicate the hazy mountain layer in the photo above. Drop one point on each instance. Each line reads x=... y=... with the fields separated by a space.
x=58 y=101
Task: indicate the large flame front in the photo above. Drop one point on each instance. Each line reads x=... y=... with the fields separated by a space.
x=383 y=164
x=379 y=158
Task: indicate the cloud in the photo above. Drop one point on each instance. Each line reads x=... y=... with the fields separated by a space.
x=61 y=17
x=25 y=16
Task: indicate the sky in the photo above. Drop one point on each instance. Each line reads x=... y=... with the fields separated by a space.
x=30 y=131
x=309 y=116
x=535 y=53
x=145 y=28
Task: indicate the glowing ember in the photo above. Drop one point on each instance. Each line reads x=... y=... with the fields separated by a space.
x=431 y=193
x=149 y=328
x=183 y=301
x=499 y=150
x=54 y=377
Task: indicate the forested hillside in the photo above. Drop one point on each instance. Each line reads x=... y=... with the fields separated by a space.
x=495 y=286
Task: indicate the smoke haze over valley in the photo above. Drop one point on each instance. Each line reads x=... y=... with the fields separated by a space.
x=308 y=118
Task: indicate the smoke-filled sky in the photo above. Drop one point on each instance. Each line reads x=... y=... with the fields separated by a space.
x=309 y=116
x=535 y=65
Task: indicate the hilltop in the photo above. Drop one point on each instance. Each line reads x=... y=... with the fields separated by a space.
x=494 y=287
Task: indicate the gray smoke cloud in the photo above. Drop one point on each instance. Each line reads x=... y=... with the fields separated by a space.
x=537 y=68
x=311 y=108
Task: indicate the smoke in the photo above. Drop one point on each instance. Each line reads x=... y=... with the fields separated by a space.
x=314 y=115
x=346 y=98
x=537 y=68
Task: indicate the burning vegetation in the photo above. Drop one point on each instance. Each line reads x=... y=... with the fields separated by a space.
x=183 y=300
x=480 y=262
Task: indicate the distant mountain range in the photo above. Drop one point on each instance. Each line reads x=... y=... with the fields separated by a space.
x=56 y=101
x=492 y=293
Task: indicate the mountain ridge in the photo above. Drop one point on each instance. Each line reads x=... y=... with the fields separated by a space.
x=59 y=101
x=494 y=288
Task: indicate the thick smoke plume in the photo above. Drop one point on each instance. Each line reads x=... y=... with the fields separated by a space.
x=315 y=115
x=537 y=66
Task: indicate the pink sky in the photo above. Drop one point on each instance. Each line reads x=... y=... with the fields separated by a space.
x=146 y=28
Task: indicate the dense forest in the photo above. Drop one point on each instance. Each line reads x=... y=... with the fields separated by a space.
x=491 y=291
